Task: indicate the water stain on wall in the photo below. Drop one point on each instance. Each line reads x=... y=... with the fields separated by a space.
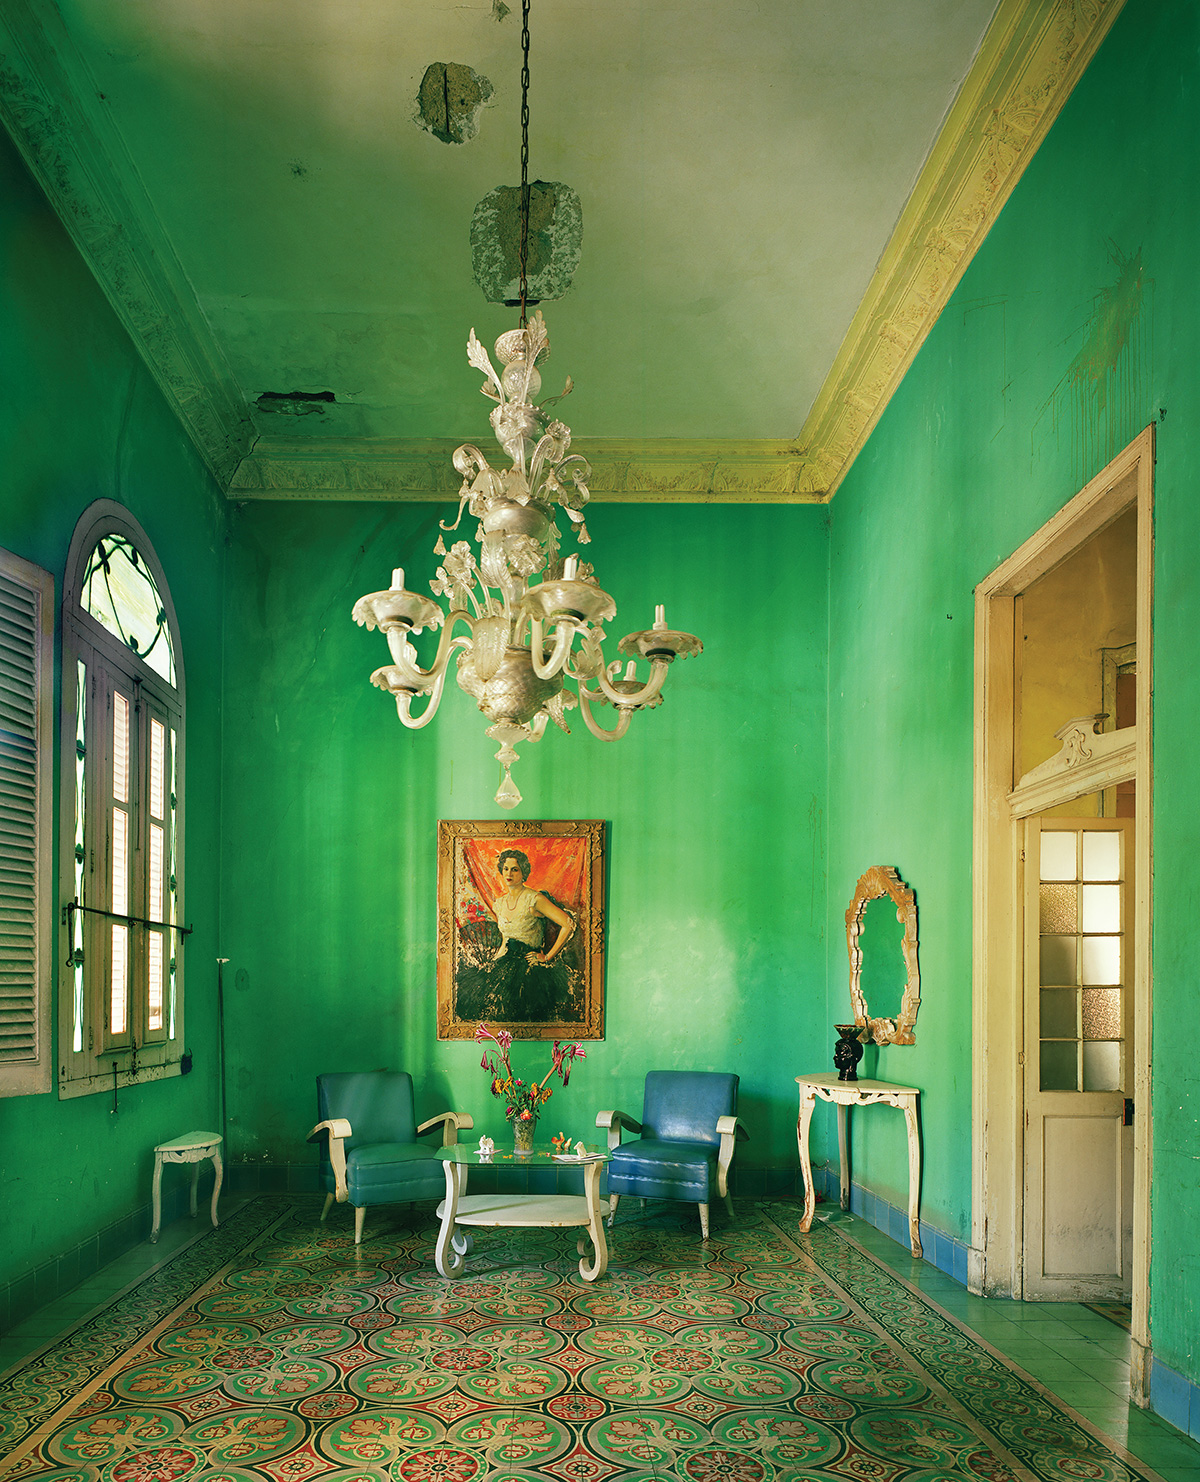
x=1117 y=308
x=1102 y=399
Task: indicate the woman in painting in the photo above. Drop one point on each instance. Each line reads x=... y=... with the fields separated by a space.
x=526 y=980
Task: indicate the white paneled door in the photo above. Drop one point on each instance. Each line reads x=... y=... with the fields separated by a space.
x=1078 y=1058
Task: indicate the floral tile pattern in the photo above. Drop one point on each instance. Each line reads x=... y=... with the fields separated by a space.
x=274 y=1349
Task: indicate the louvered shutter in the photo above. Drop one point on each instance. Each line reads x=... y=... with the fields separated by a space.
x=26 y=608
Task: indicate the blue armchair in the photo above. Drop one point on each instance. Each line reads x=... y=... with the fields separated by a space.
x=688 y=1129
x=368 y=1138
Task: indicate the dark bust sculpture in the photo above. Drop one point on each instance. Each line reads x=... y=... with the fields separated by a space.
x=847 y=1052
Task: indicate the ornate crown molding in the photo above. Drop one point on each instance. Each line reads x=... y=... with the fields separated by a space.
x=1034 y=53
x=654 y=471
x=50 y=105
x=1032 y=56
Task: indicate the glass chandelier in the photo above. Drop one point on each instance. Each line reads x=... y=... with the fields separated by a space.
x=524 y=621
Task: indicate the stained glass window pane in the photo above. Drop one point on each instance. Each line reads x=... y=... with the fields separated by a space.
x=1059 y=1014
x=1059 y=907
x=1102 y=908
x=1101 y=960
x=1060 y=1068
x=119 y=592
x=155 y=963
x=119 y=988
x=1102 y=1066
x=1101 y=855
x=1102 y=1013
x=120 y=750
x=157 y=766
x=1058 y=856
x=1058 y=960
x=156 y=873
x=120 y=861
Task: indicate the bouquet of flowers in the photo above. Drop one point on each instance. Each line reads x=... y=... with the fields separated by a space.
x=523 y=1103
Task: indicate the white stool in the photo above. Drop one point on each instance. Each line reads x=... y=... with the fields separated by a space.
x=192 y=1147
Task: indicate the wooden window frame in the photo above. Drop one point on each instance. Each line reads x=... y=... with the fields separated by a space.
x=103 y=1059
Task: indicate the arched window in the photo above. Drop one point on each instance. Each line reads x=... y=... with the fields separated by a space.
x=121 y=996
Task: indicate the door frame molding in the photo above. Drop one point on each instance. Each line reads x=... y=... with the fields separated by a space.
x=995 y=1266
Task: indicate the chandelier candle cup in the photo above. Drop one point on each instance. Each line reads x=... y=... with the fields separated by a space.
x=524 y=624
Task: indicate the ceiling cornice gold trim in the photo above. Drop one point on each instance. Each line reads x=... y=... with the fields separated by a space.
x=49 y=104
x=654 y=470
x=1033 y=54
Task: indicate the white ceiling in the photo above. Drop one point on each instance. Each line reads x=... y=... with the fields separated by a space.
x=741 y=167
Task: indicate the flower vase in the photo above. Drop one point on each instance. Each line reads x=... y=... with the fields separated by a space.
x=523 y=1131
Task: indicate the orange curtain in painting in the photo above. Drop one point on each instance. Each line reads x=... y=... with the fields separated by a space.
x=556 y=868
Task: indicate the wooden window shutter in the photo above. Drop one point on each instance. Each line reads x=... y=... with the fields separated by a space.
x=26 y=741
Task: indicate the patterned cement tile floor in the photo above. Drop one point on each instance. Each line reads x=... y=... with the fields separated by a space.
x=271 y=1351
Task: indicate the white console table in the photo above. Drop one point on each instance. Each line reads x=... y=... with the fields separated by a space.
x=194 y=1148
x=826 y=1086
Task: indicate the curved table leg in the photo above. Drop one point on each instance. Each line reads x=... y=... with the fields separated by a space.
x=807 y=1102
x=914 y=1174
x=446 y=1255
x=218 y=1177
x=843 y=1154
x=599 y=1263
x=156 y=1198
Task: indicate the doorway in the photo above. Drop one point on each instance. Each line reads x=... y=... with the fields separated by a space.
x=1019 y=1120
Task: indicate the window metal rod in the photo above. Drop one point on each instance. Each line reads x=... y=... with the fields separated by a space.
x=72 y=906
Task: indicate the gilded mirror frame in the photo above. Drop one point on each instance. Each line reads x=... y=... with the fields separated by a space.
x=878 y=882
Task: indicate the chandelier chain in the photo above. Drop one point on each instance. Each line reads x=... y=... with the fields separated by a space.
x=524 y=157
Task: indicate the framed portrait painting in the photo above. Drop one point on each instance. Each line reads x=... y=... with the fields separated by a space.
x=521 y=928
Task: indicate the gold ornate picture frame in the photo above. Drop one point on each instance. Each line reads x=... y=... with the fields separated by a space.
x=878 y=882
x=502 y=956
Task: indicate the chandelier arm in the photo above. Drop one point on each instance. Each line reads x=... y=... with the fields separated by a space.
x=404 y=703
x=564 y=636
x=585 y=705
x=418 y=678
x=648 y=692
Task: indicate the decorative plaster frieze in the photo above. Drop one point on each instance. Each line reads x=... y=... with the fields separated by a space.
x=52 y=108
x=1031 y=58
x=662 y=471
x=1088 y=761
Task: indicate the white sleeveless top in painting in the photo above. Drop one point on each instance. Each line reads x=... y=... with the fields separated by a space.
x=521 y=919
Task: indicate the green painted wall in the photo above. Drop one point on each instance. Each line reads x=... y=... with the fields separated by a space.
x=714 y=801
x=81 y=420
x=1077 y=324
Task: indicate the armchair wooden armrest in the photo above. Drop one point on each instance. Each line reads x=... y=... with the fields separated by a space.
x=731 y=1131
x=613 y=1121
x=451 y=1123
x=336 y=1129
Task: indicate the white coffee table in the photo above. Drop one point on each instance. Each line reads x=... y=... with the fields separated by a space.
x=511 y=1211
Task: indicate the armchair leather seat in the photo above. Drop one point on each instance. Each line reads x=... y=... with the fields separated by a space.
x=390 y=1172
x=665 y=1170
x=368 y=1136
x=688 y=1130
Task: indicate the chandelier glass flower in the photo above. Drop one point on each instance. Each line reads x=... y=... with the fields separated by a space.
x=527 y=625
